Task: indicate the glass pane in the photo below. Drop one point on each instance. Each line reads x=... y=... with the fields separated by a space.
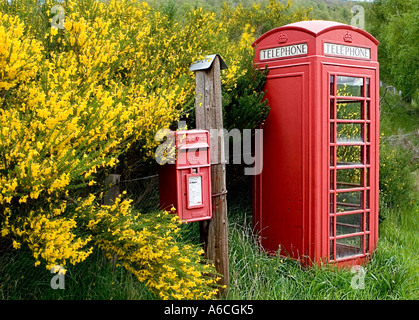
x=332 y=133
x=332 y=179
x=349 y=109
x=348 y=201
x=368 y=111
x=332 y=108
x=348 y=155
x=332 y=156
x=331 y=203
x=349 y=223
x=331 y=250
x=332 y=85
x=349 y=132
x=349 y=86
x=347 y=247
x=349 y=178
x=368 y=87
x=332 y=225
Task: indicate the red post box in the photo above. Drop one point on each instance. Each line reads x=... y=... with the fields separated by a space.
x=317 y=197
x=186 y=184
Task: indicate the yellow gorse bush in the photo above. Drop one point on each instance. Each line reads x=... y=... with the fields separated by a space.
x=73 y=100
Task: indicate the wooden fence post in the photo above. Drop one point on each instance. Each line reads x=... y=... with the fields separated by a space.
x=113 y=192
x=209 y=116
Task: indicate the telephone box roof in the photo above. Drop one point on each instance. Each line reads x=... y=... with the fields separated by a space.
x=316 y=28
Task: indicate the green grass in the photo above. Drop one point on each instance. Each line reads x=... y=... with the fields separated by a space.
x=94 y=279
x=391 y=274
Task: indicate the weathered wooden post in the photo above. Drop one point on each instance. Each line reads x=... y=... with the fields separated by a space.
x=209 y=116
x=113 y=192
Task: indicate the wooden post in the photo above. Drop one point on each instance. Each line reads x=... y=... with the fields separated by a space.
x=113 y=192
x=209 y=116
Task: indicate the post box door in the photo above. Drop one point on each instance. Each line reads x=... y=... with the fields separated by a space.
x=353 y=152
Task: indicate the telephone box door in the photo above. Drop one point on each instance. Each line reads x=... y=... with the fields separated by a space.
x=353 y=157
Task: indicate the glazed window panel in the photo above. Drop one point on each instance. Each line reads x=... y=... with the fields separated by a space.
x=349 y=86
x=332 y=108
x=349 y=133
x=349 y=201
x=349 y=223
x=349 y=178
x=350 y=246
x=349 y=109
x=332 y=85
x=348 y=155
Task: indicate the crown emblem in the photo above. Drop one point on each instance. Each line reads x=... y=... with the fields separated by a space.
x=282 y=37
x=347 y=37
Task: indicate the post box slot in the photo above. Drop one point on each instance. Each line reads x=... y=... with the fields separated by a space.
x=192 y=156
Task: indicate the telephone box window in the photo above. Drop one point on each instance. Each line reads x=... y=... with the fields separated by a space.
x=349 y=178
x=348 y=201
x=348 y=246
x=332 y=203
x=349 y=223
x=349 y=132
x=349 y=109
x=332 y=133
x=348 y=155
x=332 y=108
x=350 y=86
x=332 y=156
x=332 y=85
x=332 y=179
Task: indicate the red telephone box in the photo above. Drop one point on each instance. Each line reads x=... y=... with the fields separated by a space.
x=317 y=197
x=186 y=185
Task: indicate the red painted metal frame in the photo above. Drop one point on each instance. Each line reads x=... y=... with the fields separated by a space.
x=291 y=209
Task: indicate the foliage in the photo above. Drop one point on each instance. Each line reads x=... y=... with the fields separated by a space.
x=394 y=24
x=148 y=247
x=334 y=10
x=244 y=105
x=397 y=183
x=74 y=101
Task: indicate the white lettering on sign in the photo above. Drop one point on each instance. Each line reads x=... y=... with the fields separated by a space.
x=195 y=191
x=346 y=51
x=283 y=52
